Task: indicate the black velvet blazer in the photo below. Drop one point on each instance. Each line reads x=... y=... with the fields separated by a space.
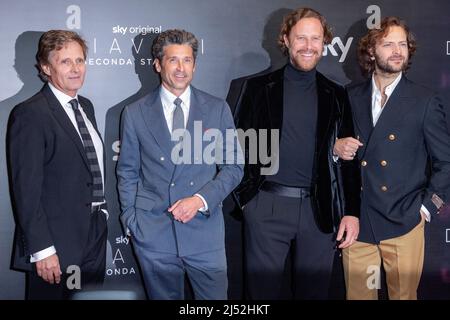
x=336 y=185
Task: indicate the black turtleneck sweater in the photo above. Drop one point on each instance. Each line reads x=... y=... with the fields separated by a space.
x=298 y=132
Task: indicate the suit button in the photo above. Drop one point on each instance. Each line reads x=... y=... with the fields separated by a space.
x=172 y=184
x=88 y=204
x=392 y=137
x=364 y=163
x=89 y=184
x=162 y=158
x=383 y=163
x=191 y=183
x=384 y=188
x=361 y=188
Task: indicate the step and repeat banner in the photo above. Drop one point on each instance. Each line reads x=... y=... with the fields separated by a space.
x=237 y=39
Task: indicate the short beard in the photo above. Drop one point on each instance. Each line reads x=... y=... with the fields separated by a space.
x=386 y=68
x=317 y=57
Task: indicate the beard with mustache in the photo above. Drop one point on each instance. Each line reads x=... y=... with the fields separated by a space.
x=384 y=66
x=303 y=64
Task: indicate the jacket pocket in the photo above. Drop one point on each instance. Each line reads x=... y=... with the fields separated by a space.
x=144 y=204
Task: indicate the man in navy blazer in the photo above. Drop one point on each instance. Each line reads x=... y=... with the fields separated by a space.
x=171 y=199
x=56 y=161
x=401 y=126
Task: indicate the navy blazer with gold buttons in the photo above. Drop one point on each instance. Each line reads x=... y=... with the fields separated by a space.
x=409 y=138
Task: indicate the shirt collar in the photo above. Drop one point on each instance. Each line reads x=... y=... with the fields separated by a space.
x=167 y=97
x=61 y=96
x=389 y=89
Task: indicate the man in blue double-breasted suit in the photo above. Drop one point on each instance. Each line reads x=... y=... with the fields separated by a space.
x=171 y=199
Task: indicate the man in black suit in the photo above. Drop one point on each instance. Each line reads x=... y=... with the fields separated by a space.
x=55 y=158
x=298 y=207
x=402 y=127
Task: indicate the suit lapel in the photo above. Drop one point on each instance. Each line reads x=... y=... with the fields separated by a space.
x=196 y=113
x=274 y=98
x=196 y=110
x=362 y=109
x=64 y=121
x=153 y=115
x=88 y=111
x=90 y=114
x=325 y=100
x=394 y=111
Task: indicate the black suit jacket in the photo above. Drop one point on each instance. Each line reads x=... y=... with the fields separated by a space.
x=51 y=183
x=410 y=133
x=336 y=185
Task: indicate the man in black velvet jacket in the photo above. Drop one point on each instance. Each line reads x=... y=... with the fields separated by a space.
x=298 y=207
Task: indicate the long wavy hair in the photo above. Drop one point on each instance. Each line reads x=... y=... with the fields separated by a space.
x=366 y=46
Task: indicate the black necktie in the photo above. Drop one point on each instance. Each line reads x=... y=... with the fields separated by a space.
x=91 y=155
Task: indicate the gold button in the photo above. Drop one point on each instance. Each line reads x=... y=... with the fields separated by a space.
x=364 y=163
x=383 y=163
x=391 y=137
x=384 y=188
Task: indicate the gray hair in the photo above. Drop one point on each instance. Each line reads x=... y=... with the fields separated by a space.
x=173 y=36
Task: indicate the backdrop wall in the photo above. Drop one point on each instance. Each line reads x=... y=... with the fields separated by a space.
x=238 y=38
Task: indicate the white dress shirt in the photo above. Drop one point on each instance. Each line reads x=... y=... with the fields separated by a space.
x=64 y=101
x=377 y=96
x=377 y=109
x=167 y=100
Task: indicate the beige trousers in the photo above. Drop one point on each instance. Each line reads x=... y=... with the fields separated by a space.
x=402 y=259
